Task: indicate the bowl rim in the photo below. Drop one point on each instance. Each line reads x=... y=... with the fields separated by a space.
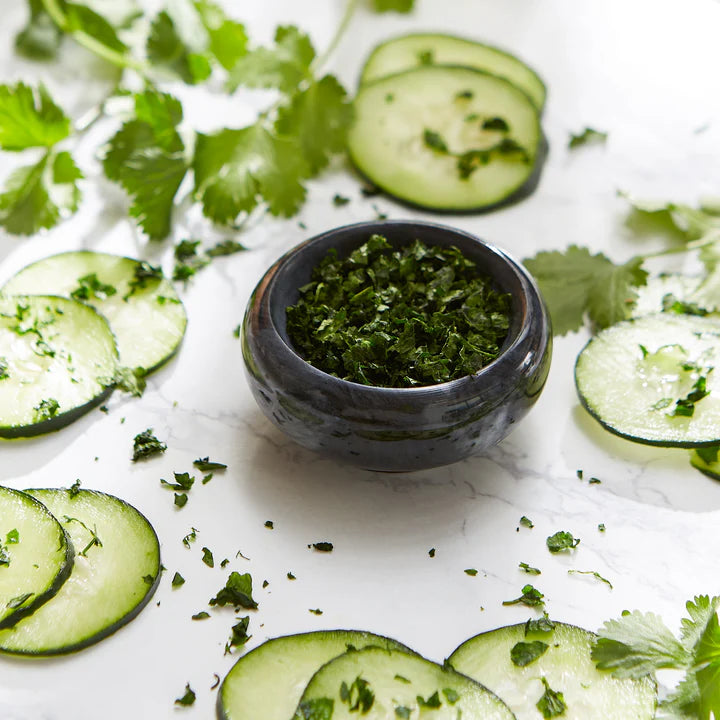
x=467 y=383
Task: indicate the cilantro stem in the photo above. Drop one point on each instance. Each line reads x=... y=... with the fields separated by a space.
x=709 y=239
x=53 y=9
x=321 y=59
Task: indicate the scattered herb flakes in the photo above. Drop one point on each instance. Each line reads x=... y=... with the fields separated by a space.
x=316 y=611
x=180 y=499
x=46 y=409
x=183 y=481
x=91 y=288
x=94 y=539
x=601 y=527
x=146 y=445
x=433 y=701
x=539 y=625
x=237 y=592
x=552 y=703
x=269 y=524
x=595 y=574
x=579 y=474
x=315 y=709
x=340 y=200
x=74 y=489
x=562 y=540
x=238 y=634
x=452 y=696
x=188 y=698
x=322 y=546
x=524 y=653
x=529 y=569
x=202 y=615
x=190 y=537
x=290 y=576
x=358 y=696
x=594 y=481
x=206 y=465
x=471 y=571
x=402 y=679
x=207 y=557
x=431 y=552
x=419 y=315
x=265 y=583
x=586 y=137
x=177 y=580
x=495 y=123
x=531 y=597
x=526 y=522
x=207 y=478
x=224 y=562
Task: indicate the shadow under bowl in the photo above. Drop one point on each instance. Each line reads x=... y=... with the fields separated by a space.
x=394 y=429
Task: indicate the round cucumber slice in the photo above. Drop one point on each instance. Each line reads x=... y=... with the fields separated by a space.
x=410 y=51
x=651 y=379
x=269 y=680
x=380 y=684
x=446 y=138
x=566 y=665
x=112 y=578
x=35 y=555
x=143 y=310
x=57 y=360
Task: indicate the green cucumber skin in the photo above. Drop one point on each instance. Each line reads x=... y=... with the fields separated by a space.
x=52 y=590
x=224 y=713
x=431 y=37
x=96 y=637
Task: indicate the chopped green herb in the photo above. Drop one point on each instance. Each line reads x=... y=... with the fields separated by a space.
x=425 y=57
x=579 y=473
x=594 y=481
x=237 y=592
x=270 y=524
x=46 y=409
x=180 y=499
x=452 y=696
x=340 y=200
x=183 y=481
x=238 y=634
x=149 y=579
x=464 y=95
x=402 y=679
x=207 y=557
x=94 y=539
x=207 y=478
x=315 y=709
x=685 y=407
x=190 y=537
x=593 y=573
x=225 y=247
x=18 y=601
x=552 y=703
x=531 y=597
x=523 y=653
x=402 y=712
x=529 y=569
x=202 y=615
x=399 y=318
x=74 y=489
x=357 y=696
x=237 y=331
x=265 y=583
x=12 y=537
x=588 y=135
x=188 y=698
x=431 y=552
x=145 y=275
x=177 y=580
x=435 y=141
x=601 y=527
x=89 y=287
x=471 y=571
x=145 y=445
x=433 y=701
x=4 y=375
x=562 y=540
x=539 y=625
x=526 y=522
x=206 y=465
x=316 y=611
x=322 y=546
x=290 y=576
x=495 y=123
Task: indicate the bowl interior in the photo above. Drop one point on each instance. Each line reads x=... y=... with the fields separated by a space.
x=295 y=268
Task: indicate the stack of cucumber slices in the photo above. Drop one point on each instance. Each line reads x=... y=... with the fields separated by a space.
x=75 y=565
x=515 y=672
x=71 y=327
x=448 y=124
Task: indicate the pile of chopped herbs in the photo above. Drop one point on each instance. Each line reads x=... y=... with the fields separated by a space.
x=416 y=316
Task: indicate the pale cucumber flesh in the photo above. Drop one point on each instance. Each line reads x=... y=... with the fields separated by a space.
x=567 y=667
x=109 y=583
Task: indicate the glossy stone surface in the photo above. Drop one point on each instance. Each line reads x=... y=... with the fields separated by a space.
x=394 y=429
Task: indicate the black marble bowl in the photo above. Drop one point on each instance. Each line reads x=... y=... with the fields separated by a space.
x=394 y=429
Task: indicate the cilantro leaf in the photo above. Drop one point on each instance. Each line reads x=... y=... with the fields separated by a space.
x=146 y=156
x=708 y=680
x=401 y=6
x=575 y=281
x=37 y=195
x=238 y=635
x=636 y=644
x=145 y=445
x=188 y=698
x=531 y=597
x=84 y=19
x=237 y=592
x=524 y=653
x=283 y=67
x=40 y=38
x=586 y=137
x=227 y=40
x=561 y=540
x=701 y=610
x=552 y=703
x=166 y=48
x=318 y=118
x=235 y=169
x=30 y=118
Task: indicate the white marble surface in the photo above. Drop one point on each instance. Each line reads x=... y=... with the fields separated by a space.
x=643 y=70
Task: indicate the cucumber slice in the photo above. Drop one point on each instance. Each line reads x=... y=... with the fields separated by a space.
x=396 y=680
x=269 y=680
x=410 y=51
x=35 y=555
x=588 y=693
x=57 y=360
x=109 y=583
x=389 y=141
x=631 y=375
x=148 y=319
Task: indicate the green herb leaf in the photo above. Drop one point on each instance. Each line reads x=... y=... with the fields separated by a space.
x=238 y=634
x=19 y=600
x=177 y=580
x=403 y=712
x=531 y=597
x=452 y=696
x=30 y=118
x=46 y=409
x=206 y=465
x=433 y=701
x=202 y=615
x=146 y=156
x=586 y=137
x=180 y=499
x=529 y=569
x=526 y=522
x=188 y=698
x=146 y=445
x=166 y=48
x=283 y=67
x=236 y=169
x=323 y=546
x=701 y=610
x=552 y=703
x=190 y=538
x=227 y=39
x=207 y=557
x=358 y=696
x=435 y=141
x=315 y=709
x=561 y=540
x=81 y=18
x=471 y=571
x=40 y=38
x=594 y=573
x=636 y=644
x=237 y=592
x=542 y=625
x=524 y=653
